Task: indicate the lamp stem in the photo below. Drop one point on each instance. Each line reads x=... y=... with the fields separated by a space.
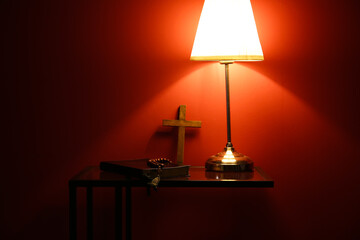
x=228 y=144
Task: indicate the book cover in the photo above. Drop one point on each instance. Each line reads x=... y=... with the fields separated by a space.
x=139 y=168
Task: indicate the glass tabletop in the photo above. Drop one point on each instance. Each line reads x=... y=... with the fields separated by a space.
x=198 y=177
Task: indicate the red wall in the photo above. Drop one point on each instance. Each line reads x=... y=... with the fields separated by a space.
x=89 y=80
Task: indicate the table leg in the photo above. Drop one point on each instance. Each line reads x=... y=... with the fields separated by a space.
x=89 y=213
x=118 y=213
x=72 y=212
x=128 y=213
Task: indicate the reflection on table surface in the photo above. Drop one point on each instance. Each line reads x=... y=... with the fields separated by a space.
x=196 y=173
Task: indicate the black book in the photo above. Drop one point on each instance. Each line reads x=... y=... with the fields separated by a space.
x=139 y=168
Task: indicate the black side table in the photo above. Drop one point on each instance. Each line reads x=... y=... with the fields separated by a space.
x=92 y=177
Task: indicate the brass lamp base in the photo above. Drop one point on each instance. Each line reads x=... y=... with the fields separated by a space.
x=239 y=162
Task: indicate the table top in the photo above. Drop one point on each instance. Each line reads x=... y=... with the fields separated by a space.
x=92 y=176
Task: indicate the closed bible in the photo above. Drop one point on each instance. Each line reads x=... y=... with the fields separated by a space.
x=139 y=168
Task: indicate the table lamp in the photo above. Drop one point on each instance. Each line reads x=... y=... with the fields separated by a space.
x=227 y=33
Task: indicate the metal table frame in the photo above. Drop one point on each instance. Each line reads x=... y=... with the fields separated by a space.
x=92 y=177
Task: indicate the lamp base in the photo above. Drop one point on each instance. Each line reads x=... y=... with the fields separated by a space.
x=239 y=162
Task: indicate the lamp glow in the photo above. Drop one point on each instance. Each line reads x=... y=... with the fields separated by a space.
x=229 y=157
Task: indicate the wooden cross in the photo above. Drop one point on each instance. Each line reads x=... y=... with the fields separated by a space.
x=181 y=123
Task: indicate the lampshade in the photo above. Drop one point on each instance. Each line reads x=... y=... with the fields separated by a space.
x=227 y=32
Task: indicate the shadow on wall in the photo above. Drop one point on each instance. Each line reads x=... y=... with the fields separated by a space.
x=192 y=213
x=163 y=142
x=206 y=214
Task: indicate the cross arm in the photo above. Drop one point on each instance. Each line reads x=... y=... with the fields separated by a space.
x=182 y=123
